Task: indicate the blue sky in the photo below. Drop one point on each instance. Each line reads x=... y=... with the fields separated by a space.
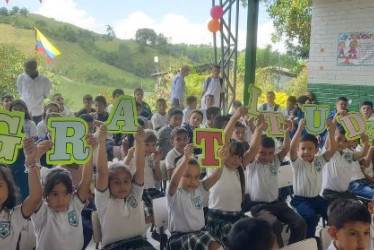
x=182 y=21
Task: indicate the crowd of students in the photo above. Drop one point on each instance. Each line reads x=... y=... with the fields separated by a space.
x=205 y=208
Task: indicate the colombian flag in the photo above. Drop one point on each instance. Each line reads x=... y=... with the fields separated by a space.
x=42 y=45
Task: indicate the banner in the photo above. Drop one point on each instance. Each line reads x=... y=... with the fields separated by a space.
x=356 y=49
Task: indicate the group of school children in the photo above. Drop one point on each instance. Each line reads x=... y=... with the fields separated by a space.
x=205 y=208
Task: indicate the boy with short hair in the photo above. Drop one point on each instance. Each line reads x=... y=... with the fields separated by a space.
x=194 y=122
x=366 y=109
x=191 y=106
x=349 y=222
x=100 y=105
x=262 y=186
x=290 y=107
x=116 y=94
x=175 y=120
x=146 y=110
x=139 y=111
x=87 y=106
x=6 y=100
x=179 y=139
x=64 y=111
x=307 y=175
x=209 y=101
x=160 y=118
x=211 y=114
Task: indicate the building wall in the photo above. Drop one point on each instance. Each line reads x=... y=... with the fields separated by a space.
x=326 y=79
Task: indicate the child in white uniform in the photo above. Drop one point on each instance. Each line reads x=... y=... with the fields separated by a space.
x=179 y=139
x=338 y=172
x=185 y=207
x=262 y=186
x=307 y=175
x=226 y=196
x=58 y=221
x=12 y=217
x=118 y=198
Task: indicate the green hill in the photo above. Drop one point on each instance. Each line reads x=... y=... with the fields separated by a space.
x=88 y=57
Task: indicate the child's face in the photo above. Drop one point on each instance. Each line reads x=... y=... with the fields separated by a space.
x=59 y=99
x=239 y=134
x=149 y=148
x=161 y=107
x=366 y=110
x=341 y=141
x=353 y=236
x=193 y=105
x=87 y=104
x=215 y=72
x=59 y=198
x=341 y=105
x=100 y=107
x=290 y=105
x=270 y=98
x=209 y=101
x=307 y=150
x=6 y=103
x=190 y=179
x=139 y=96
x=179 y=142
x=232 y=161
x=120 y=184
x=52 y=109
x=4 y=192
x=265 y=155
x=175 y=121
x=195 y=120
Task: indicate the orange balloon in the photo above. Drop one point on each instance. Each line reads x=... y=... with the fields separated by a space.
x=213 y=25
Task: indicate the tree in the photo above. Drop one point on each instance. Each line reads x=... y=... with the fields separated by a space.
x=14 y=10
x=110 y=33
x=146 y=36
x=4 y=11
x=24 y=12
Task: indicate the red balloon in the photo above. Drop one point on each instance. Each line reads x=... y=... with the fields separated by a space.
x=7 y=1
x=216 y=12
x=213 y=25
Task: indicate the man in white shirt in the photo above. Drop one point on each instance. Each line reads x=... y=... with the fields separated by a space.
x=213 y=86
x=33 y=89
x=270 y=104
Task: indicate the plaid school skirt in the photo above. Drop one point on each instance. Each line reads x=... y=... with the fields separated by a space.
x=148 y=195
x=219 y=223
x=200 y=240
x=137 y=243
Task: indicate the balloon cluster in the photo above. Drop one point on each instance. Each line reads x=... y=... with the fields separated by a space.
x=216 y=13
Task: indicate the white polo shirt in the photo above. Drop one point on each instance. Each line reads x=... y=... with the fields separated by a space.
x=307 y=176
x=33 y=92
x=149 y=177
x=262 y=180
x=170 y=158
x=338 y=172
x=226 y=194
x=158 y=120
x=11 y=223
x=356 y=167
x=59 y=230
x=185 y=210
x=120 y=219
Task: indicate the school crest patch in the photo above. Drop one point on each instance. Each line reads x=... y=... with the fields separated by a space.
x=73 y=218
x=198 y=204
x=4 y=229
x=318 y=165
x=348 y=158
x=273 y=169
x=132 y=201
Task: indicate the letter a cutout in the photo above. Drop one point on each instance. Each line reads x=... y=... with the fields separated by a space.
x=123 y=118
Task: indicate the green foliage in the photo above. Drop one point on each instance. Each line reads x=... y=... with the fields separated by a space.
x=4 y=11
x=14 y=11
x=299 y=85
x=23 y=12
x=146 y=36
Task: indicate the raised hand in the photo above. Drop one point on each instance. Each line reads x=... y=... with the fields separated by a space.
x=30 y=150
x=42 y=148
x=364 y=139
x=140 y=135
x=102 y=133
x=157 y=156
x=302 y=123
x=188 y=150
x=287 y=126
x=242 y=111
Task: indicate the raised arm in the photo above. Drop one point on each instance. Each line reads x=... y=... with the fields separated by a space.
x=368 y=158
x=330 y=142
x=83 y=190
x=286 y=140
x=139 y=157
x=33 y=201
x=296 y=139
x=102 y=178
x=129 y=156
x=216 y=174
x=254 y=147
x=157 y=156
x=365 y=147
x=231 y=124
x=180 y=169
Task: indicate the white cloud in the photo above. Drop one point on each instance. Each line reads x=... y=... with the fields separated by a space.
x=182 y=30
x=66 y=11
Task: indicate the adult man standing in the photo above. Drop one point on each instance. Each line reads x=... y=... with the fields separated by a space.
x=213 y=85
x=178 y=88
x=33 y=89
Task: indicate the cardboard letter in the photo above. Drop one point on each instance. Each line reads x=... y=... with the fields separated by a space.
x=209 y=140
x=315 y=117
x=254 y=93
x=354 y=125
x=123 y=118
x=11 y=135
x=68 y=137
x=274 y=121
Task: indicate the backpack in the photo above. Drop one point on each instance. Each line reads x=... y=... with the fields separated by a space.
x=265 y=107
x=208 y=80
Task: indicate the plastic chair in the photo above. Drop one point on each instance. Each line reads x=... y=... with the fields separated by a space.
x=160 y=216
x=96 y=229
x=325 y=238
x=309 y=244
x=285 y=176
